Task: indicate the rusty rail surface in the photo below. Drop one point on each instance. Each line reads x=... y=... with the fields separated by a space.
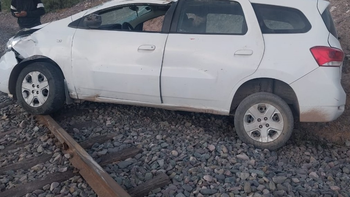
x=96 y=177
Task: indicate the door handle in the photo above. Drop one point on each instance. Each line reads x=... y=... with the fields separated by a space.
x=246 y=52
x=147 y=47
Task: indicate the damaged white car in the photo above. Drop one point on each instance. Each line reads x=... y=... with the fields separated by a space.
x=264 y=61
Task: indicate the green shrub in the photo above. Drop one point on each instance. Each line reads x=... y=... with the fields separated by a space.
x=50 y=5
x=5 y=4
x=59 y=4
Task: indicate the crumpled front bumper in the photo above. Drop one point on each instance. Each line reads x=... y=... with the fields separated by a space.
x=7 y=62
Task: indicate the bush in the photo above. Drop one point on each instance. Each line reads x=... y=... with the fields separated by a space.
x=50 y=5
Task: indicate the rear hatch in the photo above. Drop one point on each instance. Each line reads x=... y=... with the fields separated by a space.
x=334 y=56
x=323 y=8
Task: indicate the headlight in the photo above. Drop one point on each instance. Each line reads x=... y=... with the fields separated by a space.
x=12 y=42
x=18 y=36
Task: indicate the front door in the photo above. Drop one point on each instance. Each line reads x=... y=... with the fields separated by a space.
x=212 y=46
x=115 y=59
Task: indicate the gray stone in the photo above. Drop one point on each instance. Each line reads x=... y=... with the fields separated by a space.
x=187 y=188
x=37 y=167
x=242 y=156
x=279 y=179
x=211 y=147
x=229 y=180
x=159 y=137
x=148 y=176
x=23 y=178
x=208 y=178
x=174 y=153
x=224 y=149
x=64 y=190
x=206 y=156
x=124 y=164
x=260 y=173
x=244 y=175
x=180 y=195
x=257 y=195
x=193 y=159
x=313 y=175
x=2 y=147
x=46 y=187
x=67 y=156
x=281 y=187
x=4 y=180
x=178 y=178
x=247 y=187
x=208 y=191
x=44 y=138
x=295 y=180
x=261 y=187
x=23 y=124
x=335 y=188
x=272 y=186
x=279 y=193
x=102 y=152
x=54 y=185
x=161 y=162
x=266 y=191
x=40 y=149
x=63 y=169
x=38 y=191
x=346 y=170
x=220 y=177
x=347 y=143
x=164 y=145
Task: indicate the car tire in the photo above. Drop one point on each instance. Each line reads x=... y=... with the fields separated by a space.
x=264 y=120
x=40 y=88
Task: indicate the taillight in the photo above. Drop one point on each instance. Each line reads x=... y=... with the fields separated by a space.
x=327 y=56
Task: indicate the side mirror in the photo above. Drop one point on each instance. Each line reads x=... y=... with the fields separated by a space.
x=92 y=21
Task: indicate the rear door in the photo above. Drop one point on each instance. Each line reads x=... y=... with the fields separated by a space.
x=212 y=46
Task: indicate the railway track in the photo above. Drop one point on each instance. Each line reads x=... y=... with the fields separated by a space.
x=80 y=163
x=134 y=145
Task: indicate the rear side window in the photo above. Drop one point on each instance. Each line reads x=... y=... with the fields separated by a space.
x=281 y=20
x=328 y=21
x=212 y=17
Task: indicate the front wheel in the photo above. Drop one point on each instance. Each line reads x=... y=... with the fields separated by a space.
x=264 y=120
x=40 y=88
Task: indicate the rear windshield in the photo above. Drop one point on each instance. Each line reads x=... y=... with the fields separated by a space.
x=281 y=20
x=328 y=21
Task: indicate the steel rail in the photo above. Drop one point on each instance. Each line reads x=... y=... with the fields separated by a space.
x=91 y=171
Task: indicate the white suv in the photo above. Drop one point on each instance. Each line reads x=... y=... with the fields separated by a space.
x=265 y=61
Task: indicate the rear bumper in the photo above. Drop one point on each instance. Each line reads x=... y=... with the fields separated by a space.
x=320 y=94
x=7 y=62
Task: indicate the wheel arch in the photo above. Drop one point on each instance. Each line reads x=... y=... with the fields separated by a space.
x=19 y=67
x=270 y=85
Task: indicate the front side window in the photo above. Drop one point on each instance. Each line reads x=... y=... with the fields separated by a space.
x=277 y=19
x=139 y=18
x=212 y=17
x=123 y=14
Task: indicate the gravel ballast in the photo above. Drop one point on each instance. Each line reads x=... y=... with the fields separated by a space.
x=200 y=153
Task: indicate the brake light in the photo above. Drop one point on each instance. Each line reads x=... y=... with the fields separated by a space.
x=327 y=56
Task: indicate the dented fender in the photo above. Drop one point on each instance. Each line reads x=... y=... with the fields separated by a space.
x=7 y=62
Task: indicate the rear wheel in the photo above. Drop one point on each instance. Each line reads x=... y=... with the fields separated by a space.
x=264 y=120
x=40 y=88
